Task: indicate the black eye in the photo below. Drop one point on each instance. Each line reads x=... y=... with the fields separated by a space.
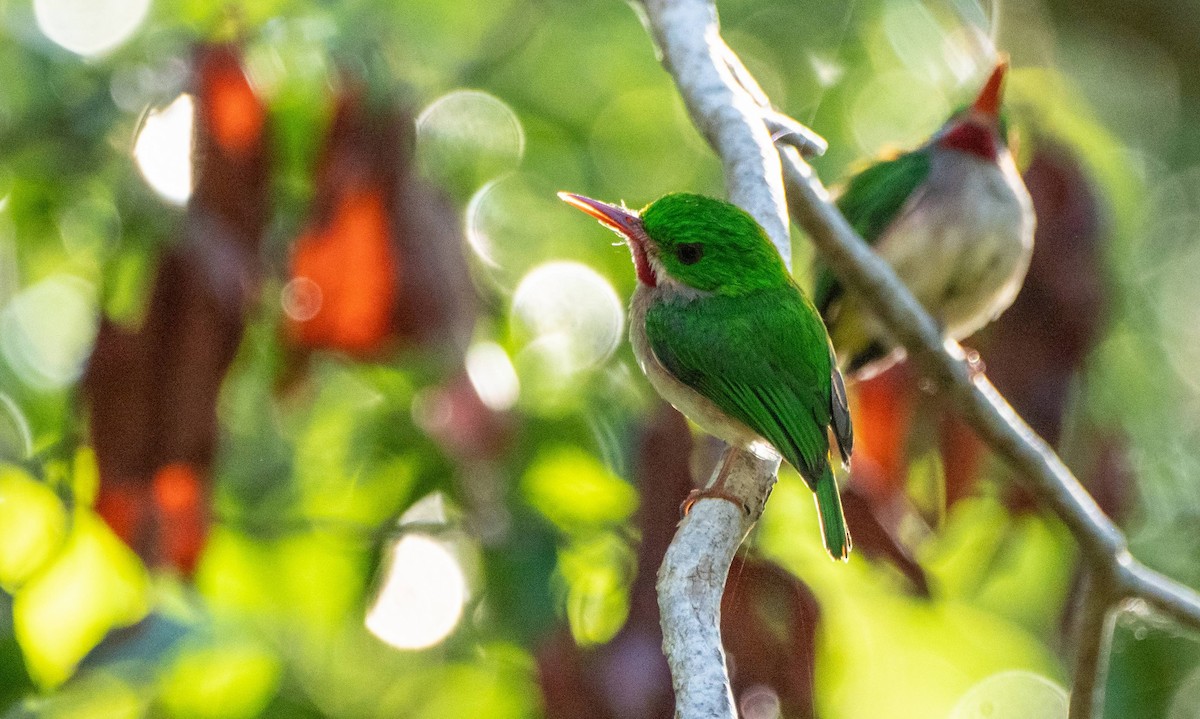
x=689 y=253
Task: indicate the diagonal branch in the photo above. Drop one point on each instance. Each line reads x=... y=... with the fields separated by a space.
x=1038 y=468
x=731 y=110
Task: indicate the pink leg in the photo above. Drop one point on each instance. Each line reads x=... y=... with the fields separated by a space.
x=717 y=490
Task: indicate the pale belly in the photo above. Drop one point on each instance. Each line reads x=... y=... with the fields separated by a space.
x=963 y=247
x=691 y=403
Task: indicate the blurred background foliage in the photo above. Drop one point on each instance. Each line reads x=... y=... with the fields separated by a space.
x=314 y=401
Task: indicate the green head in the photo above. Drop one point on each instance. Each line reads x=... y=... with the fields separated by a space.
x=694 y=241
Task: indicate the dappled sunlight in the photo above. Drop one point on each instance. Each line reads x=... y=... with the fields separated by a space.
x=596 y=571
x=93 y=695
x=492 y=375
x=466 y=138
x=95 y=584
x=90 y=27
x=421 y=597
x=47 y=330
x=576 y=492
x=220 y=680
x=881 y=642
x=33 y=526
x=163 y=150
x=1013 y=695
x=587 y=503
x=572 y=314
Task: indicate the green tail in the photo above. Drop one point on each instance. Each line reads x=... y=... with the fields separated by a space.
x=833 y=522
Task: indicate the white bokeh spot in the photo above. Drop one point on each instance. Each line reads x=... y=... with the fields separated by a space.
x=163 y=150
x=89 y=27
x=572 y=312
x=421 y=600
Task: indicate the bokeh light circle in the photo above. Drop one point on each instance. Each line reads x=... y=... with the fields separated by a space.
x=47 y=331
x=571 y=311
x=301 y=299
x=422 y=596
x=89 y=27
x=163 y=150
x=467 y=137
x=516 y=222
x=1013 y=694
x=492 y=376
x=884 y=114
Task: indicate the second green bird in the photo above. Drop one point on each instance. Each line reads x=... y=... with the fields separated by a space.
x=725 y=335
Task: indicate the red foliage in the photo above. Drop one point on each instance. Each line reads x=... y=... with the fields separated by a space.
x=380 y=262
x=152 y=391
x=349 y=250
x=883 y=408
x=352 y=265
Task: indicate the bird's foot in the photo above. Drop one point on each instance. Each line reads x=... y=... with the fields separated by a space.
x=711 y=493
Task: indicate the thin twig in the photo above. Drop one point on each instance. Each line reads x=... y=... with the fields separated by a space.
x=1093 y=633
x=1163 y=593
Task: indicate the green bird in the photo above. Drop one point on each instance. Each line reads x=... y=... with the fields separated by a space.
x=952 y=217
x=724 y=334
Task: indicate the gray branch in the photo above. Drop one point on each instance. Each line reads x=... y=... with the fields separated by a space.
x=729 y=118
x=1093 y=633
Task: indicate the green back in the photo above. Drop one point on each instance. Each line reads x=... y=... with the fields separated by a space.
x=763 y=358
x=872 y=199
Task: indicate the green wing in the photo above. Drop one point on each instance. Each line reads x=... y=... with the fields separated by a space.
x=763 y=359
x=870 y=202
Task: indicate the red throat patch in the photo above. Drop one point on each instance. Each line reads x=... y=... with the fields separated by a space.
x=972 y=139
x=641 y=262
